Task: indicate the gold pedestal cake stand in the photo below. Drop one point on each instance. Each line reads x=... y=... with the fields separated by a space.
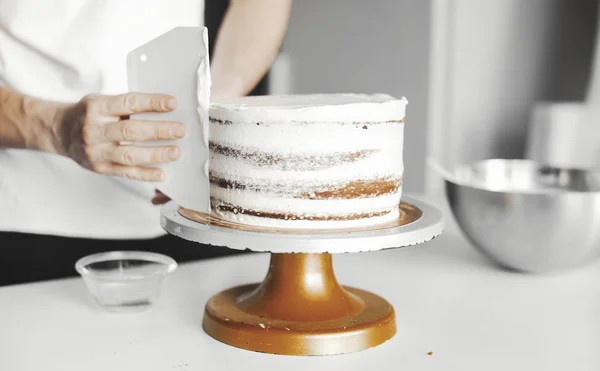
x=300 y=308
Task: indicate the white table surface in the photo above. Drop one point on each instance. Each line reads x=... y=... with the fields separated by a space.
x=448 y=300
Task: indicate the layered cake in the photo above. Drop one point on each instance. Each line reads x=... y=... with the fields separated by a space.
x=307 y=161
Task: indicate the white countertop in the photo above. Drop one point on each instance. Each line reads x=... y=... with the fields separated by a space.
x=448 y=300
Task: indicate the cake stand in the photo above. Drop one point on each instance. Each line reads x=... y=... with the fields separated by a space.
x=300 y=308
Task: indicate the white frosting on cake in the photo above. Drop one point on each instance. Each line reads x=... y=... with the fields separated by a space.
x=307 y=161
x=312 y=108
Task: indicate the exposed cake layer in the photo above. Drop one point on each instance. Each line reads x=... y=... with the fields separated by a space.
x=263 y=218
x=319 y=161
x=346 y=189
x=269 y=203
x=383 y=164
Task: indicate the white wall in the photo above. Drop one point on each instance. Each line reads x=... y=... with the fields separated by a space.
x=361 y=46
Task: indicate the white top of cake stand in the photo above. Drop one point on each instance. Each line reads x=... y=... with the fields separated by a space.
x=427 y=227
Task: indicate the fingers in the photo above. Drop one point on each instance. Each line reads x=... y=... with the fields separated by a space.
x=126 y=161
x=140 y=130
x=133 y=155
x=131 y=172
x=131 y=103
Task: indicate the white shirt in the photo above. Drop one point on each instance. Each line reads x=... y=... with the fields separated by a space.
x=62 y=50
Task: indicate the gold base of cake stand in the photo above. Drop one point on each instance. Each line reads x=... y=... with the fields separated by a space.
x=299 y=309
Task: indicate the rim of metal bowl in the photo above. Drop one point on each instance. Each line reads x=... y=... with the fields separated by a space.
x=531 y=163
x=81 y=264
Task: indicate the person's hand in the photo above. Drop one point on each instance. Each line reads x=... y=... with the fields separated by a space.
x=90 y=132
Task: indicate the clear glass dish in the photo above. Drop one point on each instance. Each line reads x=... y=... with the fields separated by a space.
x=125 y=281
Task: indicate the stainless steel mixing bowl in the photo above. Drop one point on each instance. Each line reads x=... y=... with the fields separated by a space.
x=525 y=216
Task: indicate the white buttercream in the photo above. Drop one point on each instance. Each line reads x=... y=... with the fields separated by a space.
x=312 y=108
x=292 y=138
x=206 y=168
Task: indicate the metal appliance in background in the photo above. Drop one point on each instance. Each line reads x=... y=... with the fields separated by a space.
x=566 y=134
x=560 y=136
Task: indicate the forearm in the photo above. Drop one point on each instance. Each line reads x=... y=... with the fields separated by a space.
x=26 y=122
x=248 y=41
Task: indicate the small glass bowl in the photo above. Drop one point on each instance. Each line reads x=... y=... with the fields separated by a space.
x=125 y=281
